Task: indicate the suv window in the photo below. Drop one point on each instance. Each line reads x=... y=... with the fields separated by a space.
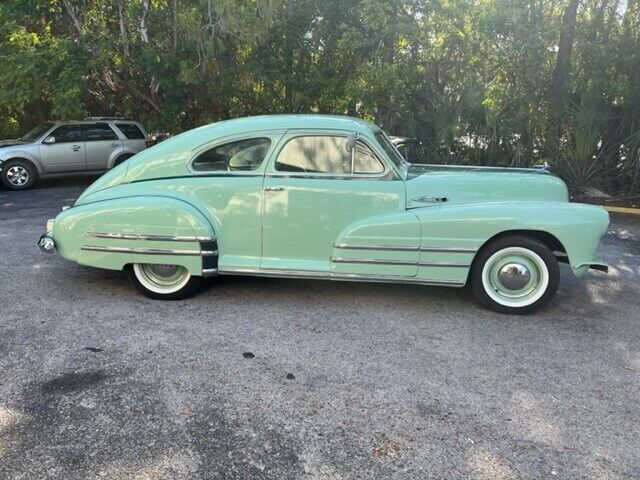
x=242 y=155
x=96 y=132
x=131 y=131
x=68 y=134
x=326 y=154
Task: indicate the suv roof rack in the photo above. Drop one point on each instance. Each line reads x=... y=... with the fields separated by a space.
x=105 y=118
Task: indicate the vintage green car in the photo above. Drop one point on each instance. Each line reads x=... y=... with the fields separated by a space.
x=325 y=197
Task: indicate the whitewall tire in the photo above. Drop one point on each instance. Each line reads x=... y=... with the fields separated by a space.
x=515 y=274
x=164 y=281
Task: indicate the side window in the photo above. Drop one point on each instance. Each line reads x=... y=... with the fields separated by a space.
x=131 y=131
x=99 y=131
x=326 y=154
x=365 y=161
x=242 y=155
x=315 y=154
x=68 y=134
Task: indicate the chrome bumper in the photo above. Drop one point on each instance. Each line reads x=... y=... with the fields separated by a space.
x=46 y=244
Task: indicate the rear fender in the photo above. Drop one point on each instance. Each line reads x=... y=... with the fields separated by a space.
x=143 y=229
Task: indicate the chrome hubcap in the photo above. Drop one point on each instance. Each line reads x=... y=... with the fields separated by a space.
x=17 y=175
x=514 y=276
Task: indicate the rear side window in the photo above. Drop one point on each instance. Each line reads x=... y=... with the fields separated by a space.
x=243 y=155
x=131 y=131
x=99 y=131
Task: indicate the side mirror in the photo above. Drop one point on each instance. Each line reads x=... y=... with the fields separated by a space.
x=352 y=139
x=50 y=140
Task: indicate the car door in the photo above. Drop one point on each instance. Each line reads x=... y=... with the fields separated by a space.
x=101 y=144
x=66 y=153
x=312 y=192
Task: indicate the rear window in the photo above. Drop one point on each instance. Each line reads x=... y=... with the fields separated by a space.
x=131 y=131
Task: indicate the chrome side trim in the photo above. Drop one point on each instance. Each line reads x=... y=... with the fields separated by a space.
x=403 y=248
x=143 y=251
x=256 y=272
x=444 y=264
x=389 y=248
x=376 y=261
x=132 y=236
x=208 y=272
x=448 y=249
x=209 y=252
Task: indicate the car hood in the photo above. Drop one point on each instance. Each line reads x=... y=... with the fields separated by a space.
x=428 y=185
x=11 y=143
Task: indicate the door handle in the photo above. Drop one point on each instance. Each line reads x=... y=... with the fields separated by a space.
x=273 y=189
x=75 y=148
x=428 y=199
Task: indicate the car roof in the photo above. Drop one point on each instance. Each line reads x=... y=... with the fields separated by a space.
x=287 y=121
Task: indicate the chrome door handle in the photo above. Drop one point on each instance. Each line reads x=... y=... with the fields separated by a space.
x=430 y=199
x=75 y=148
x=273 y=189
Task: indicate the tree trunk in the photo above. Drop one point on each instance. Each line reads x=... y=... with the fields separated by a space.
x=74 y=18
x=175 y=26
x=144 y=31
x=123 y=29
x=558 y=94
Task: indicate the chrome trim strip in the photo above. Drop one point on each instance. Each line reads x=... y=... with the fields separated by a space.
x=403 y=248
x=448 y=249
x=375 y=261
x=143 y=251
x=209 y=252
x=206 y=272
x=444 y=264
x=133 y=236
x=389 y=248
x=314 y=275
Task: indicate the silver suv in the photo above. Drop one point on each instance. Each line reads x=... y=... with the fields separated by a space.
x=93 y=145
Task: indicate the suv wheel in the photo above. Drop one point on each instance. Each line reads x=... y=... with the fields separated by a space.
x=18 y=175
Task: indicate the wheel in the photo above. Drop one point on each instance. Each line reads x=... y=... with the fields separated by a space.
x=122 y=159
x=18 y=174
x=164 y=282
x=515 y=274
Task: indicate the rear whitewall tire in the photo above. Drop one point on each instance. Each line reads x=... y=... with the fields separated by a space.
x=164 y=282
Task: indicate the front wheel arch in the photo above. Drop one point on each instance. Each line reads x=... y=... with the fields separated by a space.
x=549 y=240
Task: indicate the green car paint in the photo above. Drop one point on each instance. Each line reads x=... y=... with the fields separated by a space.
x=409 y=223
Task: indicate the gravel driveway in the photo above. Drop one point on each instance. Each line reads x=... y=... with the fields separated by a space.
x=262 y=378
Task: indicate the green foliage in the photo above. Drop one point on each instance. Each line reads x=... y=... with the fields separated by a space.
x=474 y=81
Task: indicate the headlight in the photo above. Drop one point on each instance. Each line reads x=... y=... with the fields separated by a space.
x=50 y=225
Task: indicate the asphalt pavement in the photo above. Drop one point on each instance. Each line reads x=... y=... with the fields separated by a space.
x=278 y=379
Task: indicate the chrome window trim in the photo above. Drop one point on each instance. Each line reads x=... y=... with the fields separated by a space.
x=315 y=275
x=292 y=134
x=159 y=238
x=143 y=251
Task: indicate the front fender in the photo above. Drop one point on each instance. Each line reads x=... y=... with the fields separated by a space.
x=11 y=153
x=577 y=227
x=141 y=229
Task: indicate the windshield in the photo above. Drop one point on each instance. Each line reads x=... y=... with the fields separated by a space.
x=36 y=132
x=391 y=151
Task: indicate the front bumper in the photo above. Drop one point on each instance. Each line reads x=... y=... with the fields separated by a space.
x=47 y=244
